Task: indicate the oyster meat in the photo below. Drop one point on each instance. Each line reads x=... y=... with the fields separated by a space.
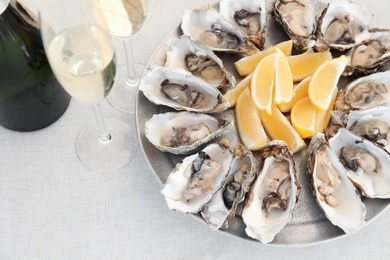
x=221 y=209
x=367 y=165
x=365 y=92
x=211 y=28
x=250 y=16
x=198 y=59
x=273 y=194
x=342 y=25
x=298 y=19
x=183 y=132
x=370 y=55
x=192 y=183
x=334 y=192
x=179 y=89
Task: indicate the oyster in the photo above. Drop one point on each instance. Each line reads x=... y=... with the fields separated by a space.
x=370 y=55
x=334 y=192
x=298 y=19
x=366 y=164
x=192 y=183
x=211 y=28
x=183 y=132
x=365 y=92
x=196 y=58
x=221 y=209
x=250 y=16
x=273 y=194
x=179 y=89
x=342 y=25
x=372 y=124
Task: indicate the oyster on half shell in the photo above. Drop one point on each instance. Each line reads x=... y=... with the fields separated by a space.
x=365 y=92
x=334 y=192
x=342 y=25
x=211 y=28
x=198 y=59
x=249 y=16
x=370 y=55
x=298 y=19
x=366 y=164
x=192 y=183
x=221 y=209
x=273 y=194
x=179 y=89
x=183 y=132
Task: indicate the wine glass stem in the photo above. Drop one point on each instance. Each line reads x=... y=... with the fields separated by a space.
x=104 y=136
x=132 y=78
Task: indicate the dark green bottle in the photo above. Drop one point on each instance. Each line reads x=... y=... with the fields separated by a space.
x=30 y=96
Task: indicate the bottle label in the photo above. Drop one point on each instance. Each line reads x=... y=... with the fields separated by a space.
x=3 y=5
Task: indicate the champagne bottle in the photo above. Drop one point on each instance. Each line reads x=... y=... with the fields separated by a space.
x=30 y=96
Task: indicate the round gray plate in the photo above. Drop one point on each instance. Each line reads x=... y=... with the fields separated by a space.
x=309 y=224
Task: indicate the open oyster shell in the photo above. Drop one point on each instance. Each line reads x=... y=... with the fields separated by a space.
x=198 y=59
x=370 y=55
x=184 y=132
x=179 y=89
x=298 y=19
x=273 y=194
x=372 y=124
x=365 y=92
x=366 y=164
x=211 y=28
x=221 y=209
x=192 y=183
x=334 y=192
x=342 y=25
x=249 y=16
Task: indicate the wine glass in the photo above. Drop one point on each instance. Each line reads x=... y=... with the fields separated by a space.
x=81 y=53
x=125 y=18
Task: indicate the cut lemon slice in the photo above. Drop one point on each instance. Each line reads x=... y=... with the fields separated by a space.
x=262 y=82
x=247 y=65
x=305 y=64
x=278 y=127
x=323 y=116
x=303 y=117
x=299 y=92
x=324 y=82
x=248 y=122
x=233 y=94
x=283 y=81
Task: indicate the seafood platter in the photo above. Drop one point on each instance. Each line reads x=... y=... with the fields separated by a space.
x=336 y=183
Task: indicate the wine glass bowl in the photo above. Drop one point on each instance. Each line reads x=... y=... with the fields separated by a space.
x=125 y=18
x=81 y=53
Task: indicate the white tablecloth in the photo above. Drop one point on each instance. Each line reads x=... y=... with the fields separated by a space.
x=53 y=207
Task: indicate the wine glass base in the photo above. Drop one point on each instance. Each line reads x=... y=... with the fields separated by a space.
x=123 y=93
x=106 y=156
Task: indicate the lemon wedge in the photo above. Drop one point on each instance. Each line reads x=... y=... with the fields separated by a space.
x=303 y=117
x=277 y=126
x=323 y=83
x=247 y=65
x=303 y=65
x=248 y=123
x=262 y=82
x=283 y=87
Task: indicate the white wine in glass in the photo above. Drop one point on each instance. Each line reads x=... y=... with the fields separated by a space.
x=125 y=18
x=81 y=53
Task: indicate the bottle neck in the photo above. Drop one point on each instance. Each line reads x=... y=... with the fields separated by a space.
x=3 y=5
